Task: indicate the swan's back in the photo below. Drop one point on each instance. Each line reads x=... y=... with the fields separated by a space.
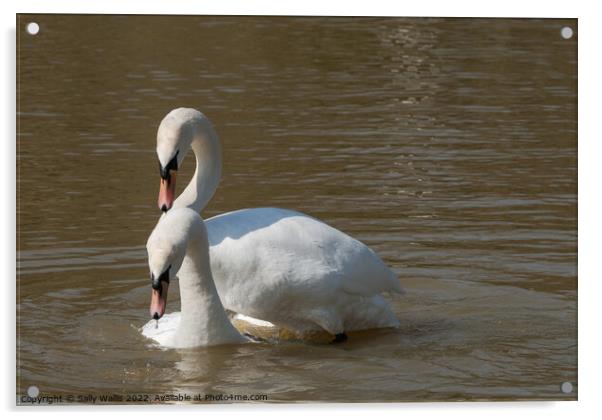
x=279 y=259
x=281 y=237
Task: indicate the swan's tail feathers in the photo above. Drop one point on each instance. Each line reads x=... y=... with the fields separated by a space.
x=400 y=290
x=395 y=283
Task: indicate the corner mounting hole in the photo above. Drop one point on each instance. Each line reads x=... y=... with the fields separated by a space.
x=566 y=387
x=32 y=28
x=33 y=391
x=566 y=32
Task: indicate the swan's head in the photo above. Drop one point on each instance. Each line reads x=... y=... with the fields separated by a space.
x=174 y=137
x=166 y=248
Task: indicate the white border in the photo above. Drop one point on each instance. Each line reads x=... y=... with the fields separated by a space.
x=459 y=8
x=590 y=210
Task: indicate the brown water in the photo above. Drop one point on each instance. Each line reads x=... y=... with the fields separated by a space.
x=446 y=145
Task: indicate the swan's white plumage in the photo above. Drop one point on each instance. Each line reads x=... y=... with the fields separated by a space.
x=253 y=321
x=179 y=244
x=297 y=272
x=274 y=264
x=163 y=330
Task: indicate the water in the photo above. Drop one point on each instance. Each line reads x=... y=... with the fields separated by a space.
x=446 y=145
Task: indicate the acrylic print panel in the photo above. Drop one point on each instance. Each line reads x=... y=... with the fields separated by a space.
x=446 y=146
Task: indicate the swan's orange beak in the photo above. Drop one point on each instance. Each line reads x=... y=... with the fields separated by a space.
x=159 y=300
x=167 y=191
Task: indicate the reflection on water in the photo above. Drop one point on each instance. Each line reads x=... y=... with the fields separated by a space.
x=447 y=145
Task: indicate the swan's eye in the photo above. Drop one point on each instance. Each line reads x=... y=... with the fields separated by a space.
x=171 y=166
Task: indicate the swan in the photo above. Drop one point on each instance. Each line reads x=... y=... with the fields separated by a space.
x=273 y=264
x=179 y=244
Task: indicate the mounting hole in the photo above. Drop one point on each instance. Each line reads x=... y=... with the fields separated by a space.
x=32 y=28
x=566 y=387
x=33 y=391
x=566 y=32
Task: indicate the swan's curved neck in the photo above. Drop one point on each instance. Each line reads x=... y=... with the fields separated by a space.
x=207 y=151
x=203 y=318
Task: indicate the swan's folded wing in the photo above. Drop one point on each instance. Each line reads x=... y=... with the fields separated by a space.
x=370 y=275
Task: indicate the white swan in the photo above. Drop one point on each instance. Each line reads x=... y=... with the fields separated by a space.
x=273 y=264
x=179 y=244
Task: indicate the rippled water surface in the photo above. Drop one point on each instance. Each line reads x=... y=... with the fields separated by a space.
x=446 y=145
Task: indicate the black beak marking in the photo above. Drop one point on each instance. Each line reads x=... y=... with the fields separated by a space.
x=156 y=282
x=171 y=166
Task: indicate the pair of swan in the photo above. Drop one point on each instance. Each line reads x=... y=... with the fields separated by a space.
x=271 y=264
